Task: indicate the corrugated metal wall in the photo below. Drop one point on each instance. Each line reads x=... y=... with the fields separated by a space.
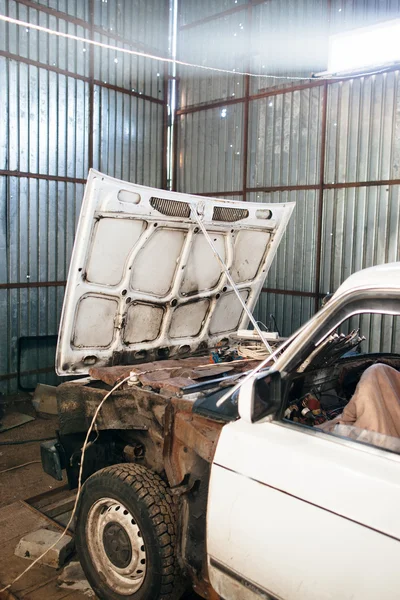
x=65 y=107
x=332 y=147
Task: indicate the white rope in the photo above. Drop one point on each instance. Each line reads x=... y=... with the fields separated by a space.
x=263 y=364
x=183 y=63
x=85 y=445
x=174 y=61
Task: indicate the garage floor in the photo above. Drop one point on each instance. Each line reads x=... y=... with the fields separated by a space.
x=28 y=481
x=31 y=500
x=17 y=516
x=40 y=583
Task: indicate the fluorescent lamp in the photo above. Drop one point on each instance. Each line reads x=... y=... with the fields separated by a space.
x=365 y=47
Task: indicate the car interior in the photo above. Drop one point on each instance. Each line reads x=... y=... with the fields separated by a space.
x=344 y=388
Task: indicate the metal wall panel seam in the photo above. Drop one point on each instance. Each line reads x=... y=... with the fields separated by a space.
x=52 y=68
x=85 y=24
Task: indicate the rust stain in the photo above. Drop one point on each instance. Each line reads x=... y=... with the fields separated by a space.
x=175 y=384
x=153 y=372
x=187 y=437
x=197 y=433
x=203 y=588
x=192 y=368
x=111 y=375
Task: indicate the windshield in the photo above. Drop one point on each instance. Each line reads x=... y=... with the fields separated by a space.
x=332 y=316
x=297 y=348
x=264 y=366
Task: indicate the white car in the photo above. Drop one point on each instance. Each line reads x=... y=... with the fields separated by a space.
x=240 y=478
x=295 y=512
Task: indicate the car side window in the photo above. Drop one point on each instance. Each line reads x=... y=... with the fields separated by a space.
x=349 y=385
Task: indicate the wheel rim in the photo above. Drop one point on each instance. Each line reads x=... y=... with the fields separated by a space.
x=116 y=546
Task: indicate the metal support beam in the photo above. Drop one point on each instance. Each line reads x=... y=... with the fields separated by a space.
x=246 y=107
x=90 y=80
x=175 y=145
x=209 y=106
x=298 y=293
x=45 y=176
x=224 y=13
x=89 y=25
x=91 y=88
x=164 y=174
x=9 y=376
x=321 y=195
x=31 y=284
x=305 y=187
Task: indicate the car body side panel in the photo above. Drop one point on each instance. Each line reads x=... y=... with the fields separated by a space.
x=305 y=515
x=284 y=548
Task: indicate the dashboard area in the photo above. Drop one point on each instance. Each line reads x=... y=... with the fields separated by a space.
x=319 y=394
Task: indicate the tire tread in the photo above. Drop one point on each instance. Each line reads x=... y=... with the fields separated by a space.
x=162 y=510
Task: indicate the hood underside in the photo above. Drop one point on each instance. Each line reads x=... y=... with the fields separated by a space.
x=144 y=283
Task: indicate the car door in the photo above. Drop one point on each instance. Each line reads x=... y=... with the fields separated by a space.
x=298 y=514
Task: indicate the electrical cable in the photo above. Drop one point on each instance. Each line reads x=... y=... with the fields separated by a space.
x=31 y=462
x=257 y=369
x=20 y=442
x=174 y=61
x=276 y=328
x=253 y=351
x=85 y=444
x=264 y=325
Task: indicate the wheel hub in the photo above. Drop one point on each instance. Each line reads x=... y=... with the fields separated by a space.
x=117 y=545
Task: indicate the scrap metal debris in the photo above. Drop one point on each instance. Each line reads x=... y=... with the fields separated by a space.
x=72 y=577
x=14 y=419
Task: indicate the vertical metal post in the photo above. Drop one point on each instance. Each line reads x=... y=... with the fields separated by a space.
x=175 y=124
x=173 y=96
x=245 y=133
x=321 y=188
x=91 y=86
x=164 y=172
x=246 y=103
x=321 y=196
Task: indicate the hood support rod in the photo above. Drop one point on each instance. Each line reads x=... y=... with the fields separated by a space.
x=229 y=277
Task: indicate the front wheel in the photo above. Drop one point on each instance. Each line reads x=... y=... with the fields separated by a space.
x=125 y=535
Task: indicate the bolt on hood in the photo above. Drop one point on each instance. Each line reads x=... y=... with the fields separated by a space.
x=143 y=281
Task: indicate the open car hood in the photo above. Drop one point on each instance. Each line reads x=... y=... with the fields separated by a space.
x=143 y=281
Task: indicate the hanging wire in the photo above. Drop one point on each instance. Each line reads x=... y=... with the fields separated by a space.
x=174 y=61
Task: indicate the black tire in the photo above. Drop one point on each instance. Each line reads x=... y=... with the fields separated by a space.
x=149 y=501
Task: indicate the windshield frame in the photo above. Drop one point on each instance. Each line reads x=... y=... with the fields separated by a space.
x=296 y=346
x=351 y=303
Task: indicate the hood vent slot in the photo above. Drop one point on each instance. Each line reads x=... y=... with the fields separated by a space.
x=223 y=213
x=171 y=208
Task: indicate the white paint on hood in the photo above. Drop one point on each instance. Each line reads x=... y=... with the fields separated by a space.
x=143 y=281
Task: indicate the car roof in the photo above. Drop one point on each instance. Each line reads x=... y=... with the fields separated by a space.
x=380 y=276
